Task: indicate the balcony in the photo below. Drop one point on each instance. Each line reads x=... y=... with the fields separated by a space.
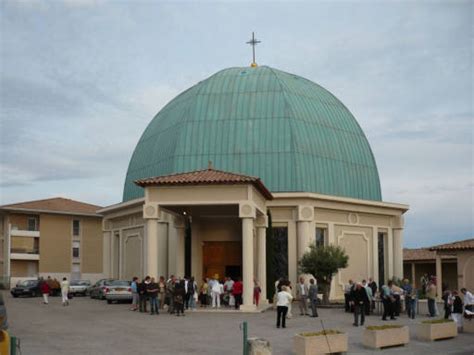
x=24 y=233
x=24 y=254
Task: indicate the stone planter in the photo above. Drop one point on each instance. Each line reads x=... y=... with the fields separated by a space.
x=436 y=331
x=468 y=326
x=381 y=338
x=320 y=344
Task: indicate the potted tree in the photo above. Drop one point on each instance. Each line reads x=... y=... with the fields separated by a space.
x=323 y=263
x=382 y=336
x=436 y=329
x=323 y=342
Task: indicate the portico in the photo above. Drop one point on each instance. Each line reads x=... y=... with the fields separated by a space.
x=202 y=201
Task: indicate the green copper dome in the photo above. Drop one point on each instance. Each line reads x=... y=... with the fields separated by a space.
x=287 y=130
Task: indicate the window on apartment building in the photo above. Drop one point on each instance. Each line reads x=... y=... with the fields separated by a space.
x=75 y=249
x=76 y=227
x=320 y=236
x=32 y=223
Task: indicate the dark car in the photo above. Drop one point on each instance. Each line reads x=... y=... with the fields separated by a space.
x=26 y=288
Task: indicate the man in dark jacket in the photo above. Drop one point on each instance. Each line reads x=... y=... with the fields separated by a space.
x=359 y=299
x=313 y=297
x=142 y=293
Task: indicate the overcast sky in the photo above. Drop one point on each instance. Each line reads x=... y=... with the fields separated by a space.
x=80 y=80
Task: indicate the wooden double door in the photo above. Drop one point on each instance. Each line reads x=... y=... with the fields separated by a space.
x=222 y=258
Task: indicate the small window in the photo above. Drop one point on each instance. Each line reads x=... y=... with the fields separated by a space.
x=32 y=223
x=75 y=249
x=76 y=227
x=320 y=237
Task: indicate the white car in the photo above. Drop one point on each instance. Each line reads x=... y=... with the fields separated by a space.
x=79 y=287
x=118 y=290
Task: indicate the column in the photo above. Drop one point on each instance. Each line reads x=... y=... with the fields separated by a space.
x=247 y=263
x=375 y=255
x=439 y=277
x=180 y=255
x=389 y=261
x=398 y=253
x=332 y=241
x=152 y=247
x=304 y=231
x=262 y=224
x=413 y=274
x=162 y=252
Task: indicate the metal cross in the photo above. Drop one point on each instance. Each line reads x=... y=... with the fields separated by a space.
x=253 y=42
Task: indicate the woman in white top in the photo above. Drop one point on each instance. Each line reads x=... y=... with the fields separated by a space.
x=65 y=291
x=284 y=299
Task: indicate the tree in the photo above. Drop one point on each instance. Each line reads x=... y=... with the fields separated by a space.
x=323 y=263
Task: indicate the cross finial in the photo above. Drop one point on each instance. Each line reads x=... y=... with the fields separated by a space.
x=253 y=42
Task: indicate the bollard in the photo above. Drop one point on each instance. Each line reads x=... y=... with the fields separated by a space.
x=13 y=345
x=244 y=328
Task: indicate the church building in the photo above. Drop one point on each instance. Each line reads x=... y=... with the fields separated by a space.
x=244 y=151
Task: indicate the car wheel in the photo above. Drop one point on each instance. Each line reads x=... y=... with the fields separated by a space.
x=109 y=301
x=15 y=296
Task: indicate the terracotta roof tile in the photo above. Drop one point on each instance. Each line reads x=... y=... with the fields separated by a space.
x=421 y=254
x=208 y=176
x=459 y=245
x=57 y=204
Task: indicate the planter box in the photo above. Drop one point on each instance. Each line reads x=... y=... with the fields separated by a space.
x=318 y=344
x=377 y=339
x=468 y=326
x=436 y=331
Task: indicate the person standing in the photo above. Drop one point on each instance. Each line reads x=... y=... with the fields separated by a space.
x=142 y=294
x=161 y=292
x=203 y=292
x=409 y=304
x=347 y=296
x=457 y=309
x=170 y=286
x=388 y=300
x=45 y=291
x=192 y=287
x=216 y=290
x=134 y=288
x=313 y=297
x=448 y=303
x=228 y=287
x=284 y=299
x=431 y=296
x=256 y=292
x=152 y=293
x=368 y=290
x=179 y=297
x=468 y=300
x=360 y=300
x=65 y=291
x=237 y=290
x=373 y=287
x=302 y=296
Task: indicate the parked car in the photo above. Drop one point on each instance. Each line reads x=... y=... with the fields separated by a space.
x=98 y=289
x=79 y=287
x=26 y=288
x=118 y=290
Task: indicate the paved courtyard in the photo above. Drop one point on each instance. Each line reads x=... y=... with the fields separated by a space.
x=94 y=327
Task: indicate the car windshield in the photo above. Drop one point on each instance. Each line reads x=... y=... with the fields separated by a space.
x=80 y=283
x=27 y=283
x=108 y=282
x=120 y=283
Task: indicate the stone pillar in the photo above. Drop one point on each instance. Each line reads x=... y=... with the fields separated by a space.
x=247 y=213
x=306 y=236
x=162 y=251
x=152 y=248
x=389 y=261
x=413 y=275
x=439 y=277
x=180 y=254
x=375 y=255
x=398 y=253
x=262 y=224
x=332 y=241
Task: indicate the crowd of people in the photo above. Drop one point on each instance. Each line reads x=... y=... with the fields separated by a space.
x=180 y=294
x=361 y=297
x=52 y=287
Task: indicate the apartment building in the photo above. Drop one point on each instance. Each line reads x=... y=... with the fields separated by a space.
x=54 y=237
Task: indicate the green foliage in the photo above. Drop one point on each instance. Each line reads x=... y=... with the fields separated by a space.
x=437 y=321
x=383 y=327
x=323 y=263
x=322 y=332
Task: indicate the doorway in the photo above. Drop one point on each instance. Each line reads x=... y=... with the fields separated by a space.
x=222 y=259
